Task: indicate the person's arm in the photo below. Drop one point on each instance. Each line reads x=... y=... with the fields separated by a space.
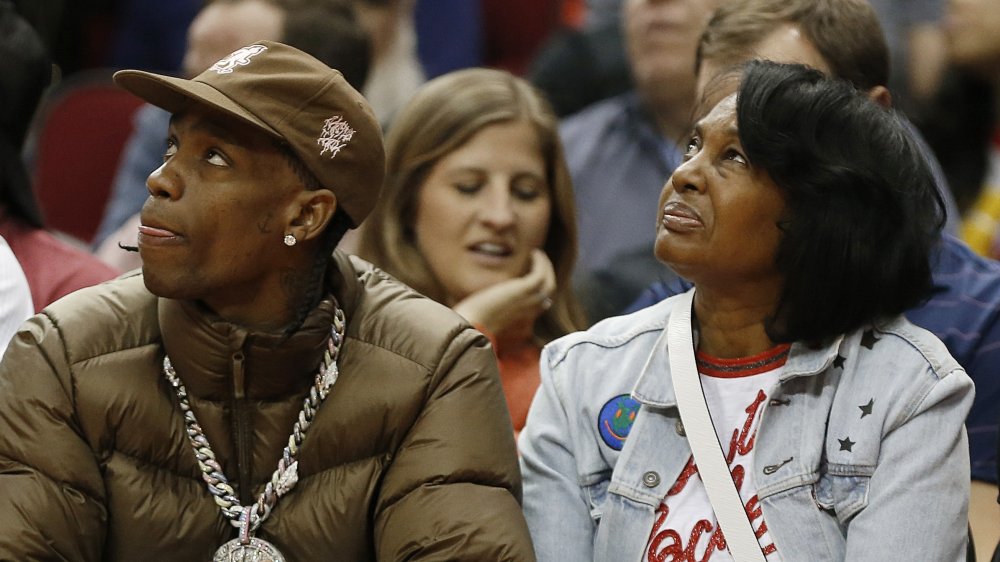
x=453 y=490
x=15 y=297
x=927 y=59
x=920 y=488
x=982 y=423
x=984 y=517
x=922 y=24
x=555 y=506
x=51 y=492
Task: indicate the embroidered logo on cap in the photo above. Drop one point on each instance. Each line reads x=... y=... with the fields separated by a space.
x=239 y=57
x=335 y=136
x=614 y=423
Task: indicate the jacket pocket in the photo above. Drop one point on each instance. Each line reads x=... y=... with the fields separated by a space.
x=597 y=494
x=841 y=495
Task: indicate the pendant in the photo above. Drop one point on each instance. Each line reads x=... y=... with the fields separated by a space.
x=257 y=550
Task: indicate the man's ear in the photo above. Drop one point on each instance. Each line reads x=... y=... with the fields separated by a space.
x=881 y=96
x=313 y=209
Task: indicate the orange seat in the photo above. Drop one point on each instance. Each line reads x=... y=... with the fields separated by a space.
x=78 y=137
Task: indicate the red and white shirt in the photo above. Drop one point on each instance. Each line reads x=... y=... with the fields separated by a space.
x=737 y=391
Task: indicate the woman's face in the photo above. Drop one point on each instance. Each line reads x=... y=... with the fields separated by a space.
x=718 y=214
x=483 y=208
x=973 y=33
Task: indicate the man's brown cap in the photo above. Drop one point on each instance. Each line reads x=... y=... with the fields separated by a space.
x=298 y=100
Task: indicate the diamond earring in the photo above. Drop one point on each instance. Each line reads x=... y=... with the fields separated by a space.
x=290 y=240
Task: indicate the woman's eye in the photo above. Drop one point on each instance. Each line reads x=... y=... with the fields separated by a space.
x=467 y=188
x=527 y=191
x=691 y=148
x=736 y=156
x=215 y=158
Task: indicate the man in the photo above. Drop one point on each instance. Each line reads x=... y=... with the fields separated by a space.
x=144 y=419
x=326 y=30
x=843 y=38
x=621 y=150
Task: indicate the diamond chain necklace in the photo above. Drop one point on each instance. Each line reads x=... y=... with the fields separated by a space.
x=249 y=518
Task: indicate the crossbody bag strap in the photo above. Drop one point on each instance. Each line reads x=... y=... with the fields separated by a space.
x=708 y=455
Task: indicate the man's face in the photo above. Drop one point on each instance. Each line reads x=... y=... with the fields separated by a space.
x=218 y=209
x=785 y=44
x=661 y=38
x=223 y=27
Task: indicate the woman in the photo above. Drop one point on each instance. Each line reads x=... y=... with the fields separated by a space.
x=477 y=213
x=803 y=215
x=53 y=267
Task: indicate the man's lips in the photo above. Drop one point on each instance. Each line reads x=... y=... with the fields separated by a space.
x=678 y=217
x=156 y=232
x=156 y=235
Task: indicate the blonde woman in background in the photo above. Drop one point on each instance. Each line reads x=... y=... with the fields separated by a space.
x=477 y=213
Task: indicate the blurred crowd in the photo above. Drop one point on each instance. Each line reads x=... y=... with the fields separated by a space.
x=577 y=52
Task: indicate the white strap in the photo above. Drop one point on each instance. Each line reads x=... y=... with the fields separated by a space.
x=704 y=442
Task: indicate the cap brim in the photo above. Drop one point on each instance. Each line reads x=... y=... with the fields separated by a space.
x=175 y=94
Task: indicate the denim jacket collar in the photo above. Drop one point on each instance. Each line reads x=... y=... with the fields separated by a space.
x=654 y=386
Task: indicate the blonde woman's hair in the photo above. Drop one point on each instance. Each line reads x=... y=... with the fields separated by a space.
x=442 y=117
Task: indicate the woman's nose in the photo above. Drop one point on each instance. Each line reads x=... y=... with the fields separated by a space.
x=688 y=176
x=498 y=211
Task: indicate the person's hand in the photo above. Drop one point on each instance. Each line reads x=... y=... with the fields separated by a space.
x=515 y=302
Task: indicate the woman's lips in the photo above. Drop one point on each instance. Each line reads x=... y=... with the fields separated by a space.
x=678 y=217
x=490 y=254
x=491 y=249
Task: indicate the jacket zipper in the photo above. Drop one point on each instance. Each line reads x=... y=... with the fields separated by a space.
x=242 y=430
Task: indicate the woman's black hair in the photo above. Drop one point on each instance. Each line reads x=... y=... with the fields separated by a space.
x=863 y=212
x=25 y=72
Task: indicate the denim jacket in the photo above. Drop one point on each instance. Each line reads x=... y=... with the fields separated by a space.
x=861 y=452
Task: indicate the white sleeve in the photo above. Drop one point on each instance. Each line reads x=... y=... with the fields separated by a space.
x=15 y=298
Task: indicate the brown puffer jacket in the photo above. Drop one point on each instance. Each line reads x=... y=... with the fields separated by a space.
x=411 y=457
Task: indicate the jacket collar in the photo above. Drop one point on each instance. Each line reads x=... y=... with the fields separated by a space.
x=207 y=351
x=805 y=360
x=655 y=388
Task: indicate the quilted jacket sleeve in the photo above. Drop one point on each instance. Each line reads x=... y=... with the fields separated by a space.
x=51 y=491
x=453 y=491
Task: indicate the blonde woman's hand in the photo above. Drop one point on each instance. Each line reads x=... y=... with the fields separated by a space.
x=515 y=302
